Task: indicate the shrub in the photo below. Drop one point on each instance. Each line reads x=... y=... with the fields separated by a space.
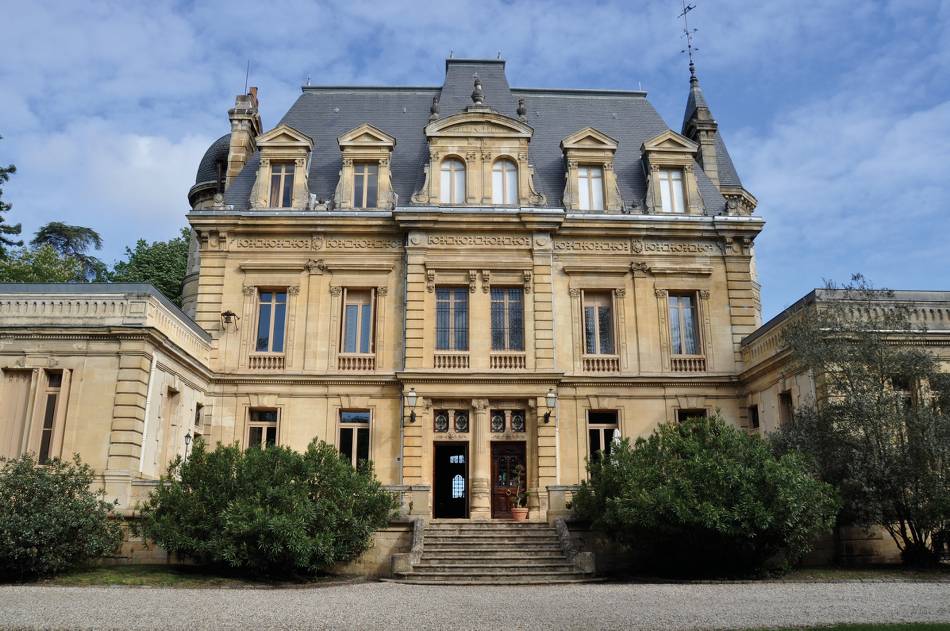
x=50 y=520
x=704 y=498
x=269 y=511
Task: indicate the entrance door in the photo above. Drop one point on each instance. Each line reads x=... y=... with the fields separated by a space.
x=506 y=457
x=450 y=493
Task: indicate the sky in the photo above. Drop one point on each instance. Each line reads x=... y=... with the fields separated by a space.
x=836 y=113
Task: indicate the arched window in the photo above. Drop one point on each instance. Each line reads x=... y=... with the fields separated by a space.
x=452 y=184
x=504 y=183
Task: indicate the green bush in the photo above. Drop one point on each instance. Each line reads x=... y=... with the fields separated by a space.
x=702 y=498
x=50 y=520
x=270 y=511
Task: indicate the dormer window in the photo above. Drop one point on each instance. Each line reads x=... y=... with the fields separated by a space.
x=504 y=183
x=452 y=183
x=281 y=184
x=365 y=185
x=671 y=191
x=590 y=188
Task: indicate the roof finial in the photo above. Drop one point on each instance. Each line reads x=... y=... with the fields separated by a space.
x=478 y=97
x=522 y=110
x=434 y=109
x=688 y=34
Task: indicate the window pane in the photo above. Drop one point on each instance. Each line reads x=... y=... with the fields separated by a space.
x=445 y=185
x=515 y=319
x=675 y=333
x=49 y=418
x=666 y=200
x=275 y=188
x=689 y=323
x=263 y=326
x=593 y=437
x=583 y=188
x=596 y=189
x=346 y=443
x=590 y=344
x=461 y=319
x=288 y=187
x=280 y=316
x=264 y=416
x=442 y=319
x=362 y=444
x=676 y=185
x=365 y=328
x=280 y=297
x=358 y=188
x=271 y=435
x=459 y=192
x=497 y=185
x=606 y=327
x=349 y=328
x=255 y=437
x=497 y=323
x=511 y=185
x=350 y=416
x=371 y=186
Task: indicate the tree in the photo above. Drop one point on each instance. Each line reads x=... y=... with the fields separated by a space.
x=880 y=428
x=7 y=229
x=161 y=263
x=40 y=265
x=703 y=498
x=73 y=242
x=50 y=520
x=271 y=511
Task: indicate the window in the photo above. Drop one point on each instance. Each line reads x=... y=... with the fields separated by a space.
x=354 y=436
x=281 y=184
x=54 y=382
x=598 y=324
x=271 y=315
x=786 y=409
x=198 y=410
x=452 y=184
x=687 y=413
x=590 y=188
x=364 y=184
x=357 y=321
x=262 y=429
x=671 y=190
x=684 y=335
x=601 y=426
x=754 y=416
x=507 y=319
x=504 y=183
x=451 y=318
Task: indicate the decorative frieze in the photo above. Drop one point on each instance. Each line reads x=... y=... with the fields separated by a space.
x=705 y=248
x=479 y=240
x=618 y=246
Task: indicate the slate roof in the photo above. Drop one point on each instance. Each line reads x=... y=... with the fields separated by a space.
x=324 y=113
x=217 y=152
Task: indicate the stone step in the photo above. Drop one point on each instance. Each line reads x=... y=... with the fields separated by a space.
x=492 y=555
x=516 y=567
x=489 y=538
x=489 y=525
x=475 y=575
x=491 y=547
x=512 y=580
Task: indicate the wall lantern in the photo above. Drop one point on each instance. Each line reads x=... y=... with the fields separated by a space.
x=229 y=317
x=412 y=398
x=550 y=399
x=187 y=442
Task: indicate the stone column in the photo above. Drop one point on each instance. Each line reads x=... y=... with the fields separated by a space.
x=481 y=462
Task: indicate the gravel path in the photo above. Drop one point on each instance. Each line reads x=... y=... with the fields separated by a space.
x=394 y=606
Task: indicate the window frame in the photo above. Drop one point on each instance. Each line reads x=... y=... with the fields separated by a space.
x=786 y=407
x=506 y=167
x=361 y=171
x=452 y=196
x=608 y=299
x=587 y=172
x=508 y=306
x=371 y=303
x=354 y=427
x=602 y=427
x=454 y=292
x=49 y=419
x=283 y=196
x=755 y=420
x=667 y=184
x=682 y=414
x=673 y=304
x=264 y=425
x=274 y=291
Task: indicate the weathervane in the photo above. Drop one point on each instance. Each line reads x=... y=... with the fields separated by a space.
x=688 y=34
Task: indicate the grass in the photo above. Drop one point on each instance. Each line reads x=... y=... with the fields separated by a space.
x=908 y=626
x=867 y=573
x=181 y=576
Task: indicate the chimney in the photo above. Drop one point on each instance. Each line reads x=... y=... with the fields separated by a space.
x=245 y=128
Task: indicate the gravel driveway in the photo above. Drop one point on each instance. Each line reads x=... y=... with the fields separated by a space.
x=394 y=606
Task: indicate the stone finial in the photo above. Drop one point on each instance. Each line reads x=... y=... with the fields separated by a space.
x=693 y=79
x=522 y=110
x=478 y=97
x=434 y=109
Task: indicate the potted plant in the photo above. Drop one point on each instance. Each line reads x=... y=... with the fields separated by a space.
x=518 y=502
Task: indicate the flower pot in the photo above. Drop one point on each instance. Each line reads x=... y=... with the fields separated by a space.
x=518 y=513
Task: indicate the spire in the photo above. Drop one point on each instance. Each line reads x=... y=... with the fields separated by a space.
x=695 y=101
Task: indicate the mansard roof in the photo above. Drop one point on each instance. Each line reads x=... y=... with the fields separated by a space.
x=326 y=112
x=217 y=152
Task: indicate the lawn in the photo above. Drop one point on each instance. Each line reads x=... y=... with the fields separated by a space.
x=867 y=573
x=908 y=626
x=183 y=576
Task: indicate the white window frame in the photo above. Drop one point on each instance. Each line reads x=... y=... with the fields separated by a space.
x=672 y=191
x=265 y=425
x=370 y=302
x=598 y=298
x=587 y=197
x=273 y=309
x=681 y=320
x=452 y=172
x=504 y=190
x=361 y=170
x=354 y=428
x=285 y=178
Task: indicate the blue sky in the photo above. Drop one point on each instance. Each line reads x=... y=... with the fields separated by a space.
x=836 y=112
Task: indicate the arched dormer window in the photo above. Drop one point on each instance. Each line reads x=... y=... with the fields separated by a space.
x=504 y=183
x=452 y=183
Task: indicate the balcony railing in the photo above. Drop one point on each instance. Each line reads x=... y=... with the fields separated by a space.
x=266 y=361
x=601 y=363
x=689 y=363
x=453 y=360
x=356 y=362
x=508 y=361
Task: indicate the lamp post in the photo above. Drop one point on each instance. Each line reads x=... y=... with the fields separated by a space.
x=550 y=400
x=412 y=398
x=187 y=442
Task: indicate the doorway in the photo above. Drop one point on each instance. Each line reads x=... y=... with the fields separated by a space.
x=450 y=491
x=506 y=457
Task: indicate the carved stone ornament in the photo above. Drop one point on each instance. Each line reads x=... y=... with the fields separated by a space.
x=522 y=110
x=527 y=281
x=639 y=266
x=434 y=109
x=478 y=96
x=316 y=267
x=472 y=276
x=461 y=422
x=382 y=291
x=293 y=290
x=441 y=421
x=497 y=423
x=574 y=292
x=249 y=290
x=620 y=292
x=430 y=280
x=486 y=280
x=704 y=294
x=660 y=293
x=336 y=290
x=517 y=422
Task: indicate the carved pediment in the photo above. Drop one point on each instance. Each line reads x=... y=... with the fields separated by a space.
x=478 y=124
x=285 y=136
x=670 y=141
x=366 y=136
x=589 y=138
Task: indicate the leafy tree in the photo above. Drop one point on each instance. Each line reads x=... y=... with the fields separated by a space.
x=704 y=498
x=880 y=427
x=161 y=263
x=271 y=511
x=50 y=520
x=7 y=229
x=40 y=265
x=73 y=242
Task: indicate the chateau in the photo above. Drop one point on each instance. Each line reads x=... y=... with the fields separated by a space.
x=452 y=282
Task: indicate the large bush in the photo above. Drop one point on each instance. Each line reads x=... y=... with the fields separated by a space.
x=704 y=498
x=50 y=520
x=269 y=511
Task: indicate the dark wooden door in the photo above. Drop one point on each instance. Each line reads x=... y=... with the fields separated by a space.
x=505 y=458
x=450 y=491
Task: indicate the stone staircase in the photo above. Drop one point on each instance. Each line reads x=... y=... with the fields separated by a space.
x=492 y=553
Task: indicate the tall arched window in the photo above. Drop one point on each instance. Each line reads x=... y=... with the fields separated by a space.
x=452 y=184
x=504 y=183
